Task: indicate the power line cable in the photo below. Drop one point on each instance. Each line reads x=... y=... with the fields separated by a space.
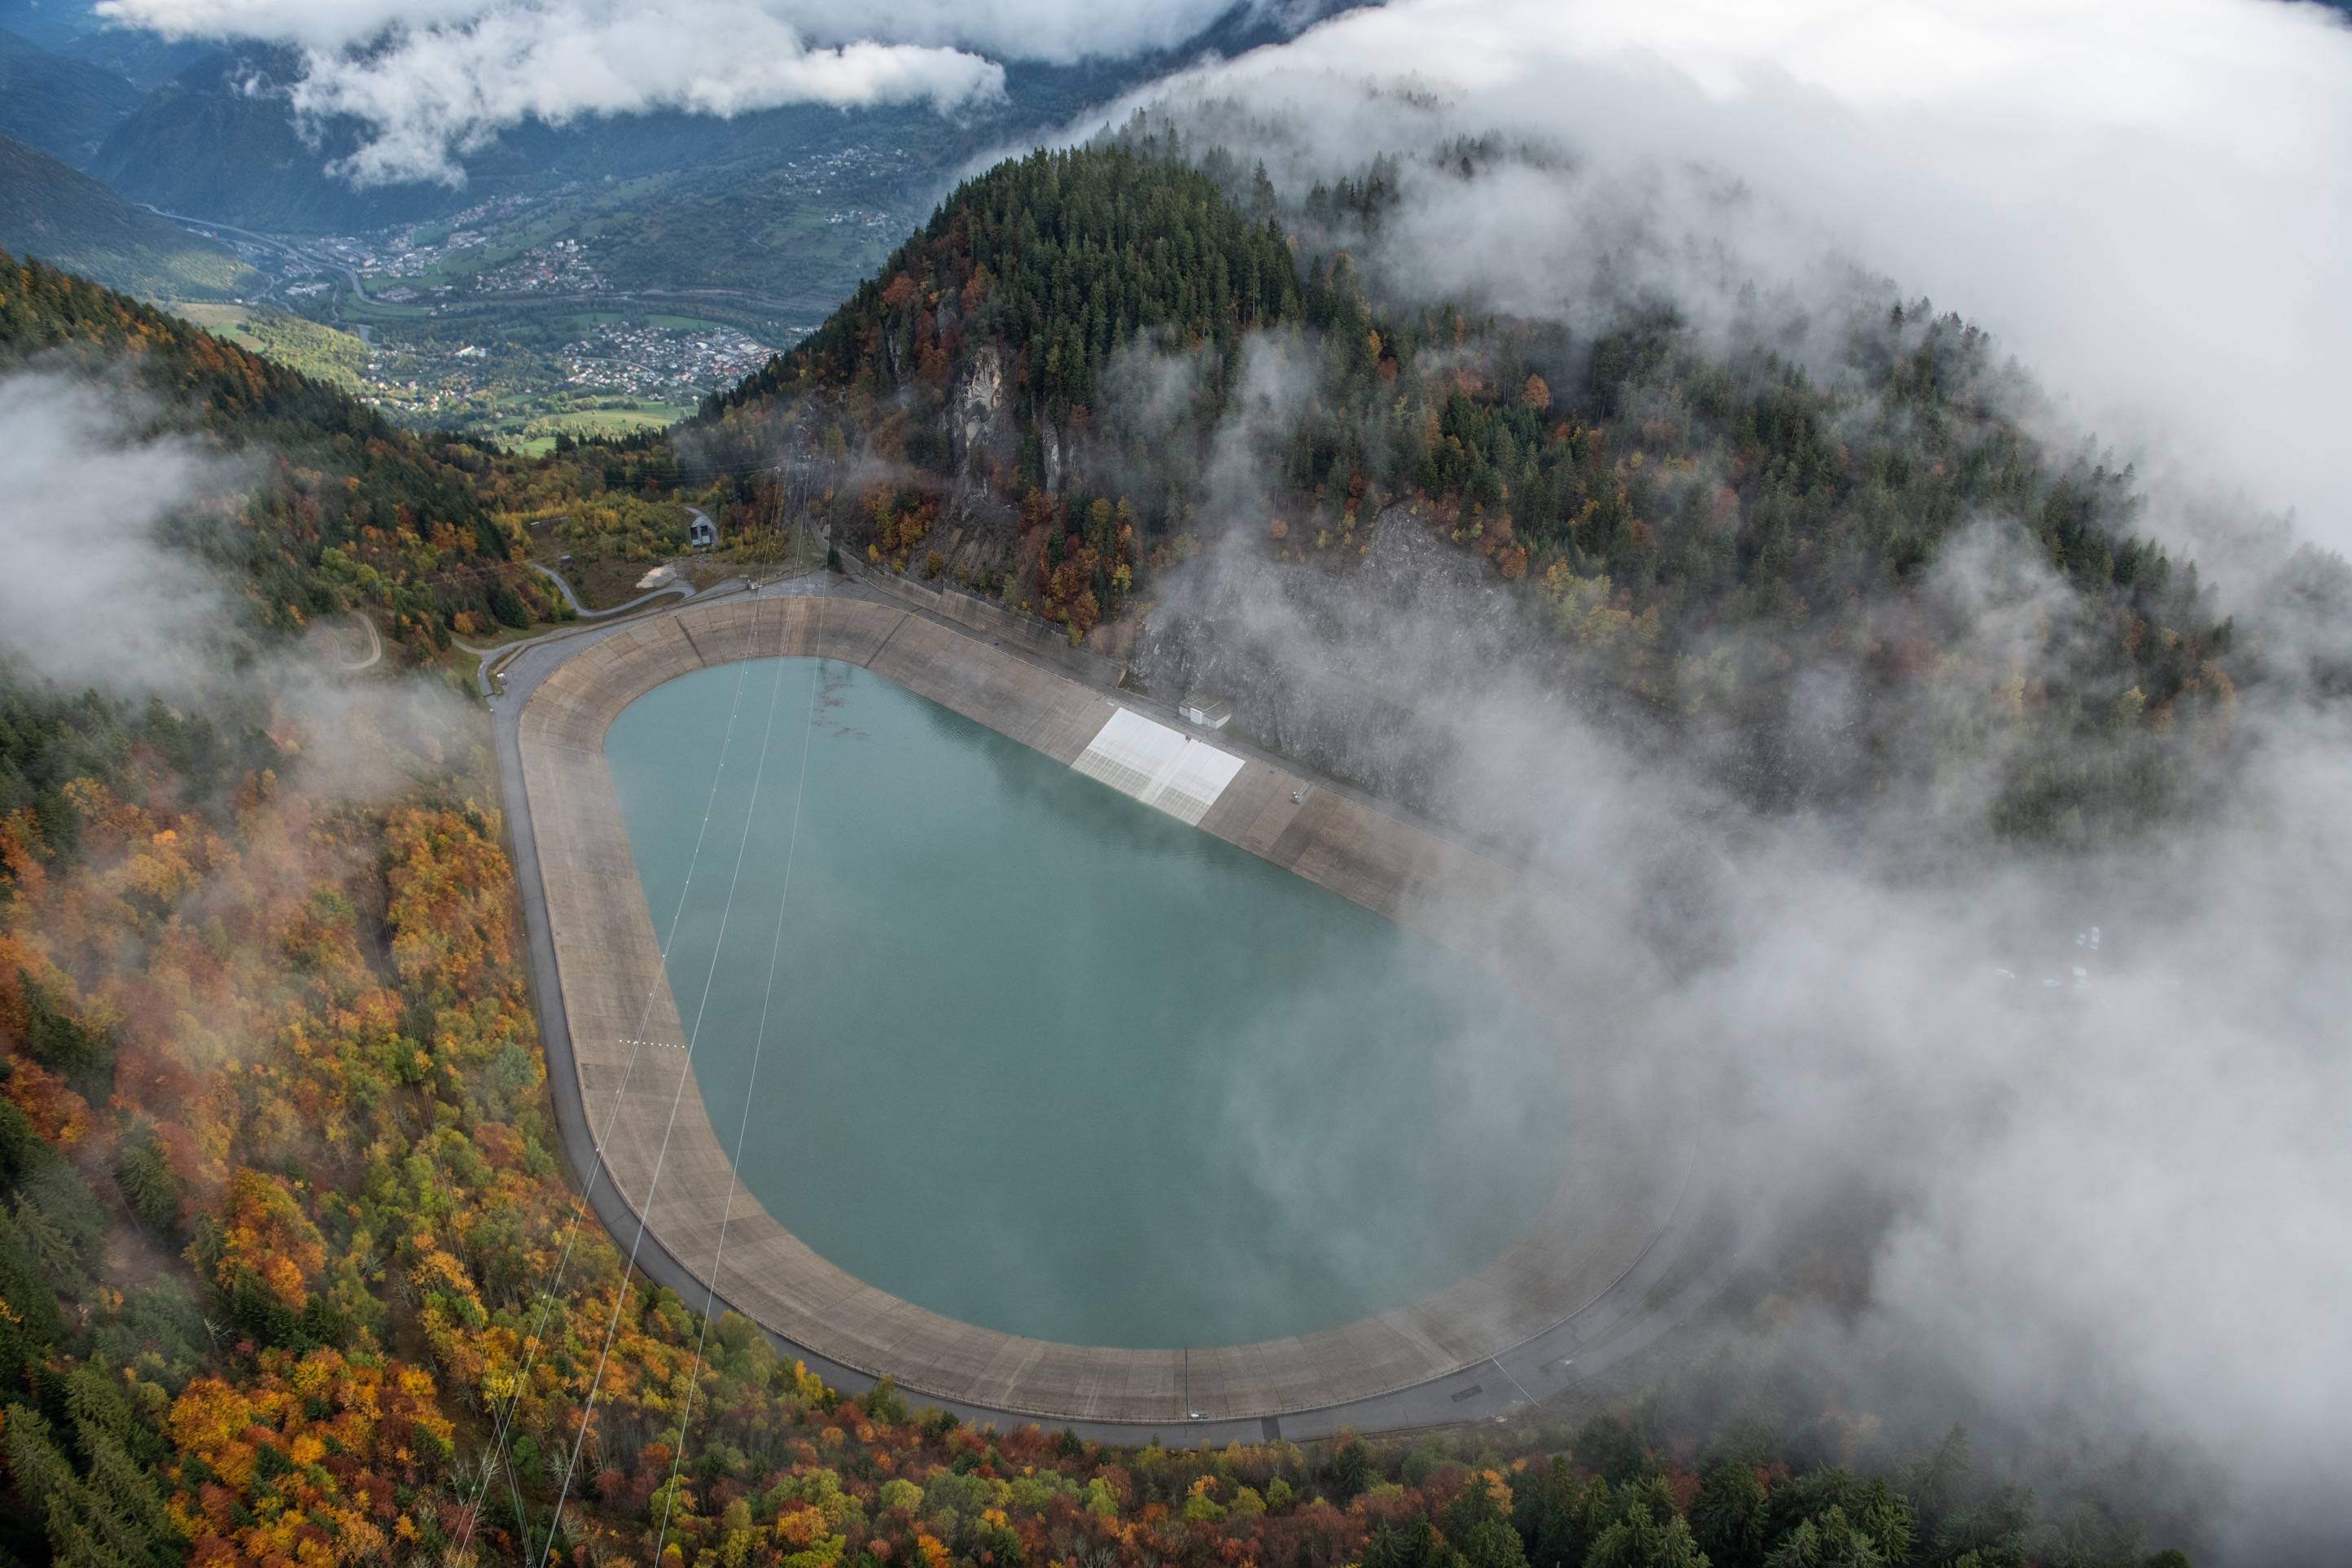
x=502 y=1429
x=759 y=1046
x=653 y=1184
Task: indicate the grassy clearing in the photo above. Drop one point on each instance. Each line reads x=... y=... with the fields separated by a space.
x=377 y=311
x=319 y=351
x=538 y=434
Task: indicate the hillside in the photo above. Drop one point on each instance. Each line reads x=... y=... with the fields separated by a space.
x=64 y=107
x=346 y=511
x=322 y=353
x=974 y=357
x=197 y=145
x=49 y=211
x=48 y=23
x=1618 y=507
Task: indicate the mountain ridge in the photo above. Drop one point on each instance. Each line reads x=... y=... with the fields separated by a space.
x=63 y=106
x=236 y=158
x=52 y=210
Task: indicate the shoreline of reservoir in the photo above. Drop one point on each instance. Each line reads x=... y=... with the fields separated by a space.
x=1591 y=1276
x=1145 y=1089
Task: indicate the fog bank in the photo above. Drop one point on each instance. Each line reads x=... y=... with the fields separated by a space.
x=2078 y=1116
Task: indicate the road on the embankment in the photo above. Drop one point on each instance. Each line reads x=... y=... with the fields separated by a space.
x=488 y=656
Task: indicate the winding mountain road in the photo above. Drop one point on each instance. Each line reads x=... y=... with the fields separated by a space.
x=484 y=673
x=679 y=587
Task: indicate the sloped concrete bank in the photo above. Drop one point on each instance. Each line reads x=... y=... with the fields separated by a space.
x=1605 y=1268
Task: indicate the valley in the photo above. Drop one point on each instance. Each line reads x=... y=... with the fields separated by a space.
x=587 y=280
x=518 y=319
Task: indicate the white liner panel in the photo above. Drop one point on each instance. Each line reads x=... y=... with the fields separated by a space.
x=1157 y=766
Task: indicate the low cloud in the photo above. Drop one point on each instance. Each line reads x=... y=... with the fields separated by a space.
x=103 y=525
x=2137 y=197
x=435 y=79
x=1058 y=30
x=92 y=596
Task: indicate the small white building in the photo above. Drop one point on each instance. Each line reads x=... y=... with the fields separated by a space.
x=702 y=533
x=1209 y=712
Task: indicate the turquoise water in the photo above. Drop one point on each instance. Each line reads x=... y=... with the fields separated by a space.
x=1039 y=1058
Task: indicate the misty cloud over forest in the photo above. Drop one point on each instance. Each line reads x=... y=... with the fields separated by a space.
x=2086 y=1109
x=109 y=516
x=2133 y=198
x=90 y=499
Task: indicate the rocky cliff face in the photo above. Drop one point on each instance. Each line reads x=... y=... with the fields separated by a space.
x=976 y=413
x=976 y=533
x=1337 y=669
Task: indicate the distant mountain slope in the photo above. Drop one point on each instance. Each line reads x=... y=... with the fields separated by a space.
x=147 y=60
x=200 y=144
x=48 y=23
x=64 y=107
x=69 y=220
x=218 y=141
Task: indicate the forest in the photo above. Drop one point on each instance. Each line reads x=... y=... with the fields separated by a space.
x=283 y=1202
x=280 y=1196
x=283 y=1199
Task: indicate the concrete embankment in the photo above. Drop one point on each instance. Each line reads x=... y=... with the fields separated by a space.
x=613 y=1025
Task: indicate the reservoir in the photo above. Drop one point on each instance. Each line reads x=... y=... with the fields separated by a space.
x=1003 y=1042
